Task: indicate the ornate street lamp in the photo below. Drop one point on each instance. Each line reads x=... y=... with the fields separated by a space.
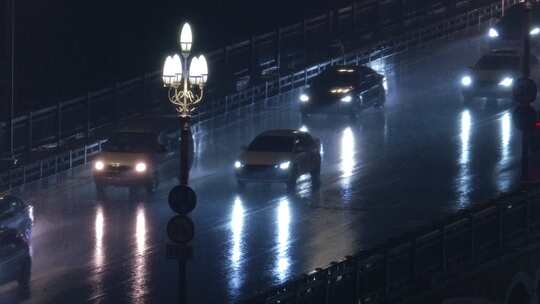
x=186 y=87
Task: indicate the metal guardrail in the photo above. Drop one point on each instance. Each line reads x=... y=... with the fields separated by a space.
x=417 y=263
x=287 y=49
x=217 y=107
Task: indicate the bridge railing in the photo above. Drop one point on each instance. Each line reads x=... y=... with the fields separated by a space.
x=265 y=59
x=417 y=263
x=215 y=108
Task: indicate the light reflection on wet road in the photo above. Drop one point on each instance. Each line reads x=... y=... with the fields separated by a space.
x=420 y=158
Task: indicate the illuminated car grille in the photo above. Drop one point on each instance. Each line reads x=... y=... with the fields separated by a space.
x=258 y=167
x=111 y=169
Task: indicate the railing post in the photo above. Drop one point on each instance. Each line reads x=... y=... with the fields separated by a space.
x=41 y=169
x=278 y=51
x=58 y=123
x=252 y=59
x=85 y=154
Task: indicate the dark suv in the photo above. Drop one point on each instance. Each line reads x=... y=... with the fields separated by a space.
x=343 y=90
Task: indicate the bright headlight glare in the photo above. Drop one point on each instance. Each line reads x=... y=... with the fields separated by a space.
x=493 y=33
x=140 y=167
x=99 y=165
x=466 y=81
x=535 y=31
x=304 y=98
x=284 y=165
x=347 y=98
x=238 y=164
x=506 y=82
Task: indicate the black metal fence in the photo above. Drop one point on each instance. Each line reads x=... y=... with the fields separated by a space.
x=415 y=264
x=265 y=64
x=214 y=108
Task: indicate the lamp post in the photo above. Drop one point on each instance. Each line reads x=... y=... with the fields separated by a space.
x=186 y=88
x=525 y=92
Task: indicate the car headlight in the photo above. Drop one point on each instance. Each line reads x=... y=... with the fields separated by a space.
x=140 y=167
x=346 y=99
x=285 y=165
x=506 y=82
x=304 y=98
x=238 y=164
x=99 y=165
x=493 y=33
x=303 y=129
x=466 y=81
x=535 y=31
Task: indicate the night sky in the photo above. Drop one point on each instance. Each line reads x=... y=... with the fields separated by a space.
x=65 y=48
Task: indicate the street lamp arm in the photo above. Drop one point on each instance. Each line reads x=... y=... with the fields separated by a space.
x=185 y=101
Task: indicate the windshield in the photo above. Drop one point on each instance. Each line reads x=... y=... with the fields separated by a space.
x=334 y=78
x=272 y=144
x=131 y=143
x=498 y=63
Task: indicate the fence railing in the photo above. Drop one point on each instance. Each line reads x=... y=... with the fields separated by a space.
x=263 y=60
x=216 y=107
x=414 y=264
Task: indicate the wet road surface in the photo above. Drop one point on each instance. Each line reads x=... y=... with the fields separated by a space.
x=422 y=157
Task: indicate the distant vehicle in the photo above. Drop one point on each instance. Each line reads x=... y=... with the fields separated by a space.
x=493 y=75
x=343 y=90
x=15 y=260
x=129 y=159
x=16 y=214
x=507 y=31
x=279 y=156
